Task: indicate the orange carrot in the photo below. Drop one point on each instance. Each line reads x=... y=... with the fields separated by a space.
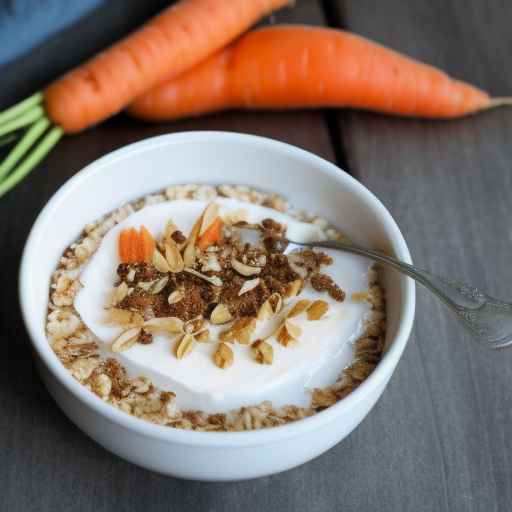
x=124 y=245
x=147 y=245
x=178 y=38
x=129 y=245
x=133 y=246
x=299 y=66
x=212 y=234
x=175 y=40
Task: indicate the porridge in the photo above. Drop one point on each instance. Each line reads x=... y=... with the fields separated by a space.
x=188 y=308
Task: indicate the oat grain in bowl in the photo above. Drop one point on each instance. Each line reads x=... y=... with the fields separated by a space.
x=184 y=308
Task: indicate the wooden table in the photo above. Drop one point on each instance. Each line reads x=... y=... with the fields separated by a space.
x=440 y=437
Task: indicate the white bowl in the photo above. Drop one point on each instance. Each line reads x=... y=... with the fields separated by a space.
x=211 y=157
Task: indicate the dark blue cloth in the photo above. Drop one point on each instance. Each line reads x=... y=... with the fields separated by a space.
x=26 y=23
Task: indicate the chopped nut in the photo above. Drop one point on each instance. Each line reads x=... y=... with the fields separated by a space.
x=293 y=330
x=160 y=262
x=294 y=288
x=147 y=285
x=189 y=255
x=159 y=285
x=184 y=346
x=283 y=337
x=170 y=324
x=131 y=275
x=299 y=307
x=214 y=280
x=176 y=296
x=120 y=292
x=220 y=315
x=272 y=306
x=288 y=333
x=123 y=317
x=202 y=336
x=262 y=352
x=249 y=285
x=209 y=215
x=126 y=339
x=193 y=325
x=317 y=310
x=243 y=269
x=223 y=356
x=240 y=331
x=173 y=256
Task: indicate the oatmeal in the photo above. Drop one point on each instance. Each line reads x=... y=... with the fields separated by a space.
x=189 y=310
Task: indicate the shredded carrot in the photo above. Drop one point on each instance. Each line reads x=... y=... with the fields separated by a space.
x=212 y=234
x=178 y=38
x=147 y=245
x=299 y=66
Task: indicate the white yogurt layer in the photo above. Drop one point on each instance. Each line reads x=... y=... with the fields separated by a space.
x=315 y=361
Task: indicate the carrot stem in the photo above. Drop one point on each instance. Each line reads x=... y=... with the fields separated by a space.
x=39 y=152
x=500 y=102
x=19 y=151
x=24 y=119
x=21 y=107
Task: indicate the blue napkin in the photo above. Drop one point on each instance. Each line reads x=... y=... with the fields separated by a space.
x=26 y=23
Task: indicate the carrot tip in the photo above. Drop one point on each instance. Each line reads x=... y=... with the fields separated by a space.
x=500 y=102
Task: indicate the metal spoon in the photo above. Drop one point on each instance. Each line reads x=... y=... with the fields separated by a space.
x=488 y=320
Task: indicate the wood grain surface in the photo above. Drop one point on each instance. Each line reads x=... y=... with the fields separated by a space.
x=438 y=440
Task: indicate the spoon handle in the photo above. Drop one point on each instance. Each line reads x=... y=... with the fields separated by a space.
x=489 y=320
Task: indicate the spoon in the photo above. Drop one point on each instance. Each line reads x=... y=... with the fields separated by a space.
x=488 y=320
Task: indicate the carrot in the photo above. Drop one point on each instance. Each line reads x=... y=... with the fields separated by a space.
x=147 y=245
x=212 y=234
x=129 y=245
x=180 y=37
x=136 y=246
x=299 y=66
x=133 y=246
x=124 y=245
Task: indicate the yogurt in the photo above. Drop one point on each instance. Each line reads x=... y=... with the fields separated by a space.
x=316 y=360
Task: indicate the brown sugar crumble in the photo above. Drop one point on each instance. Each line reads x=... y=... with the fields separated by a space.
x=324 y=283
x=235 y=263
x=230 y=283
x=145 y=337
